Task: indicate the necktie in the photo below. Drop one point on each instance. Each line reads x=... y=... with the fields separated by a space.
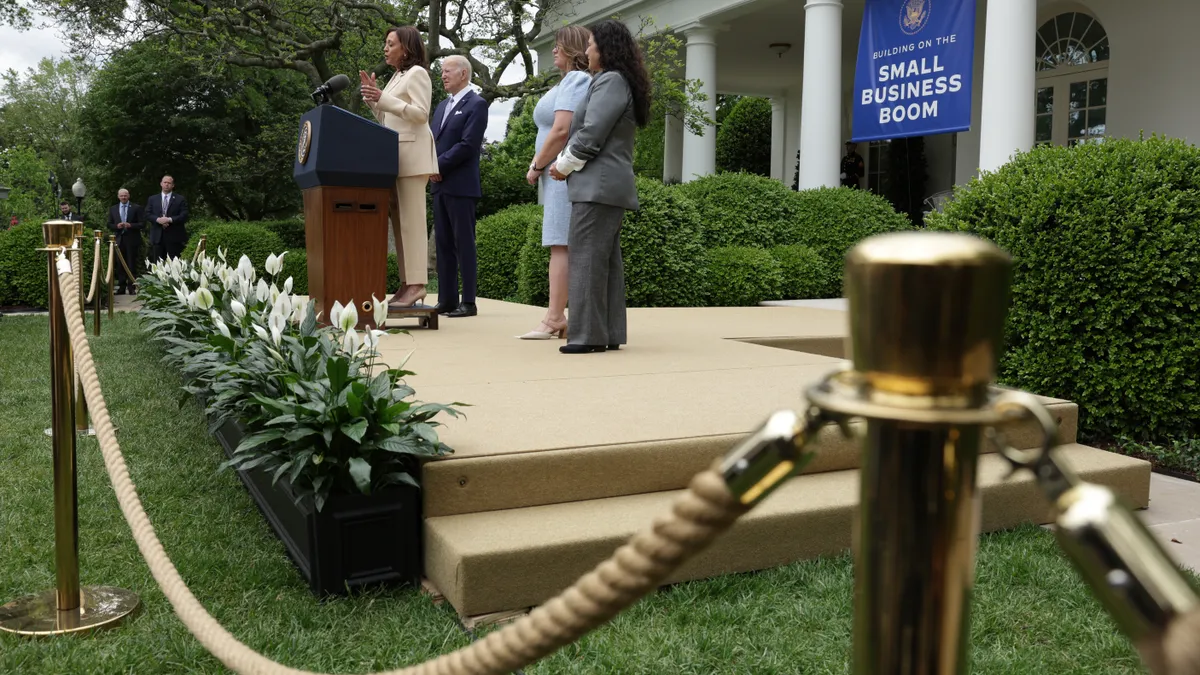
x=449 y=107
x=166 y=200
x=124 y=213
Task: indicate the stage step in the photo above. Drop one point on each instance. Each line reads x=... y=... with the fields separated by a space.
x=515 y=558
x=471 y=484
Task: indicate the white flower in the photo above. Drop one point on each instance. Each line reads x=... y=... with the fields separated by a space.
x=220 y=324
x=261 y=333
x=335 y=313
x=275 y=264
x=348 y=319
x=194 y=275
x=226 y=277
x=207 y=266
x=351 y=343
x=221 y=253
x=277 y=322
x=371 y=338
x=381 y=311
x=204 y=298
x=287 y=286
x=261 y=291
x=182 y=295
x=238 y=309
x=300 y=313
x=275 y=293
x=245 y=267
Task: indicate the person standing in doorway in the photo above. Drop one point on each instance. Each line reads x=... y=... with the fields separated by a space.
x=125 y=220
x=167 y=213
x=458 y=126
x=853 y=167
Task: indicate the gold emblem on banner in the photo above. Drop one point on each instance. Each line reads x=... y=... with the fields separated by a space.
x=305 y=142
x=914 y=15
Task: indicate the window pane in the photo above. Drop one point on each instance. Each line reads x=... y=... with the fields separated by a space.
x=1063 y=23
x=1045 y=128
x=1083 y=24
x=1097 y=122
x=1101 y=51
x=1045 y=100
x=1076 y=124
x=1098 y=92
x=1079 y=92
x=1094 y=35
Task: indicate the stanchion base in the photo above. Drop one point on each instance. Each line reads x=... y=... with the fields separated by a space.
x=99 y=607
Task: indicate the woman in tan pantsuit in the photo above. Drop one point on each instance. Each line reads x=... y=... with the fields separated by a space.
x=403 y=106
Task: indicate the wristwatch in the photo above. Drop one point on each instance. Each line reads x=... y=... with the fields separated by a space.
x=534 y=167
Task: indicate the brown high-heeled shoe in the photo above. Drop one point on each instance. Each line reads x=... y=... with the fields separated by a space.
x=405 y=298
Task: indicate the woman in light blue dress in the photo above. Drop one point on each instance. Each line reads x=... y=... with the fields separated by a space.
x=553 y=118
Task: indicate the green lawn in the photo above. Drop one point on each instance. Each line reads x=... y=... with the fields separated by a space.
x=1031 y=613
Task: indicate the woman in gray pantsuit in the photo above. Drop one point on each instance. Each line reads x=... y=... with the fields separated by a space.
x=599 y=161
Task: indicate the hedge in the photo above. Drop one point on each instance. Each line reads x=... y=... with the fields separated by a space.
x=831 y=221
x=295 y=265
x=533 y=268
x=662 y=249
x=742 y=276
x=503 y=181
x=23 y=280
x=744 y=139
x=238 y=239
x=291 y=232
x=1105 y=298
x=740 y=209
x=499 y=239
x=805 y=274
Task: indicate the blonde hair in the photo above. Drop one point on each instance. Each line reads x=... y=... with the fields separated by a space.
x=572 y=41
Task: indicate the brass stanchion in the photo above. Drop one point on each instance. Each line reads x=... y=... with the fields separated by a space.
x=112 y=247
x=201 y=248
x=68 y=608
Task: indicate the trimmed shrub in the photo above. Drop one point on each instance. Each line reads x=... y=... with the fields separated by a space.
x=832 y=220
x=238 y=239
x=533 y=268
x=295 y=265
x=740 y=209
x=662 y=249
x=503 y=180
x=291 y=232
x=1105 y=241
x=22 y=267
x=499 y=239
x=805 y=273
x=744 y=140
x=742 y=276
x=393 y=274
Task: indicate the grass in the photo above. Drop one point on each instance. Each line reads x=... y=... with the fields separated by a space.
x=1030 y=614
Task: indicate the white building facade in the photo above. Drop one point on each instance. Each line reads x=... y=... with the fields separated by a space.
x=1046 y=71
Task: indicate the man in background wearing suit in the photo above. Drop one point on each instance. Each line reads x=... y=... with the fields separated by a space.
x=458 y=126
x=167 y=214
x=125 y=220
x=66 y=213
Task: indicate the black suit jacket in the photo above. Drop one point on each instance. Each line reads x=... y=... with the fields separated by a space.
x=135 y=218
x=177 y=211
x=459 y=144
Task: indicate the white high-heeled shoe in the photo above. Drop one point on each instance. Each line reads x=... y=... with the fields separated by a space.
x=555 y=332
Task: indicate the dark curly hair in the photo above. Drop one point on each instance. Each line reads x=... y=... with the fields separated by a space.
x=619 y=51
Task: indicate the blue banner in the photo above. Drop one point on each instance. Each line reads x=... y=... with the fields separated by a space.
x=915 y=62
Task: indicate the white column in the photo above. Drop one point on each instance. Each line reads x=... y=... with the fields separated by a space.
x=700 y=151
x=778 y=138
x=821 y=116
x=673 y=150
x=1008 y=124
x=792 y=146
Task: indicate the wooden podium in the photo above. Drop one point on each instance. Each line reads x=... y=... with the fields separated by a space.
x=346 y=166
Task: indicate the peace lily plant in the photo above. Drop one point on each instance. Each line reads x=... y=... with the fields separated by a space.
x=316 y=404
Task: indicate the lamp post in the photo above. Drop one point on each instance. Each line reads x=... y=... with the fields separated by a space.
x=80 y=191
x=4 y=192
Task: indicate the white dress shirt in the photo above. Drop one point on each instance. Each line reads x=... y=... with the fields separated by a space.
x=455 y=99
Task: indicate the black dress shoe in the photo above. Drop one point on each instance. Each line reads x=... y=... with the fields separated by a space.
x=613 y=348
x=465 y=309
x=120 y=291
x=445 y=308
x=582 y=349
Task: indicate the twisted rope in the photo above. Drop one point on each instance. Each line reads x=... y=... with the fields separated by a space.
x=121 y=258
x=639 y=567
x=108 y=276
x=95 y=274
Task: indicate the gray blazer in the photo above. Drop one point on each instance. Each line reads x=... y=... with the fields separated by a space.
x=602 y=133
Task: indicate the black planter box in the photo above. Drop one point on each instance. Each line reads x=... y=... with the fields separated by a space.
x=354 y=541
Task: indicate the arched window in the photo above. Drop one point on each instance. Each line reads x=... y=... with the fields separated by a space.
x=1072 y=64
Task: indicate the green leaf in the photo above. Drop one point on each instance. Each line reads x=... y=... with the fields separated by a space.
x=380 y=386
x=360 y=471
x=405 y=446
x=280 y=471
x=223 y=343
x=338 y=369
x=426 y=432
x=355 y=430
x=354 y=404
x=282 y=419
x=255 y=440
x=401 y=477
x=298 y=433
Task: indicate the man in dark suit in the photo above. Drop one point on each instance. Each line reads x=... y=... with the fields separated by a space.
x=458 y=125
x=126 y=222
x=167 y=215
x=65 y=212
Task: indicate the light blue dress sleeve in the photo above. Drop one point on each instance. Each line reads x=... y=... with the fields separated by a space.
x=571 y=90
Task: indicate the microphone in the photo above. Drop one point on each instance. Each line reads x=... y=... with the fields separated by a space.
x=325 y=92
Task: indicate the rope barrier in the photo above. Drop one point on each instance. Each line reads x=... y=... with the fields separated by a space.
x=639 y=567
x=91 y=296
x=121 y=258
x=108 y=276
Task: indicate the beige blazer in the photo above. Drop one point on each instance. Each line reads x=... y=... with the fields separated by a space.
x=404 y=108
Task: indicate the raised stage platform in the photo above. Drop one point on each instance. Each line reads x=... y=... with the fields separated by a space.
x=561 y=458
